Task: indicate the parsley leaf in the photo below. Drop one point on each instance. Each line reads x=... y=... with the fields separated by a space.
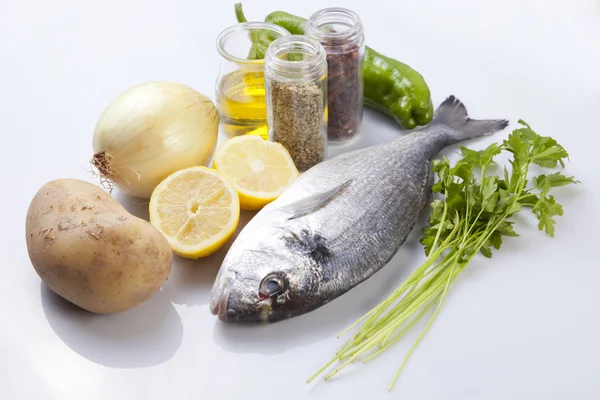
x=503 y=199
x=486 y=251
x=489 y=187
x=548 y=153
x=496 y=240
x=470 y=157
x=514 y=208
x=506 y=229
x=506 y=178
x=437 y=210
x=490 y=205
x=517 y=145
x=545 y=182
x=545 y=209
x=528 y=199
x=464 y=171
x=487 y=155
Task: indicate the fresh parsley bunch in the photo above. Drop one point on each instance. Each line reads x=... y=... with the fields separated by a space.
x=473 y=217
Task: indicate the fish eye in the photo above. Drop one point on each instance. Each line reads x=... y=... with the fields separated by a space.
x=272 y=285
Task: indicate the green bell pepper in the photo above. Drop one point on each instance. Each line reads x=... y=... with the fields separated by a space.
x=390 y=87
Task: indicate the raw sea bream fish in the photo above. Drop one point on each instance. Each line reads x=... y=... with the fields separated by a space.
x=337 y=224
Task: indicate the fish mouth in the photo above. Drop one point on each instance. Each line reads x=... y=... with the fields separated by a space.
x=219 y=301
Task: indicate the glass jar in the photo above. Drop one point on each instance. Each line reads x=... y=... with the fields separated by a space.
x=296 y=83
x=340 y=31
x=240 y=86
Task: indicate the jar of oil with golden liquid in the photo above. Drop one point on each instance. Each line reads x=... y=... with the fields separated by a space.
x=240 y=90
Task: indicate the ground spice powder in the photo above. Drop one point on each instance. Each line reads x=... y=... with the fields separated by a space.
x=298 y=121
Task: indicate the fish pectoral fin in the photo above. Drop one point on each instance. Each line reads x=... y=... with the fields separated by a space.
x=310 y=204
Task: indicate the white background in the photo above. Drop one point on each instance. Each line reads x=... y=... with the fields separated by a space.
x=523 y=325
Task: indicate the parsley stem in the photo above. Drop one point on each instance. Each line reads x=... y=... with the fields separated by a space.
x=424 y=285
x=401 y=333
x=433 y=317
x=483 y=168
x=414 y=277
x=428 y=293
x=441 y=225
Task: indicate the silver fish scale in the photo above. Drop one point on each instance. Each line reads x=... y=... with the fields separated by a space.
x=337 y=225
x=365 y=224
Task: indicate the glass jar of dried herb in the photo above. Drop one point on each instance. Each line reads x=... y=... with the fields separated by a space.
x=296 y=89
x=340 y=32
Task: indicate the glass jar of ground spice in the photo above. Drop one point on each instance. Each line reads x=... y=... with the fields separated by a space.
x=296 y=91
x=340 y=32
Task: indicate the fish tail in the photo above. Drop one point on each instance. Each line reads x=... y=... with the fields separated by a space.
x=452 y=114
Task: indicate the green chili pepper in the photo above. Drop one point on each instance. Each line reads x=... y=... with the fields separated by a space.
x=260 y=40
x=292 y=23
x=390 y=87
x=397 y=90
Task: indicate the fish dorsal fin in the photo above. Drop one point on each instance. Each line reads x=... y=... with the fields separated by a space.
x=312 y=203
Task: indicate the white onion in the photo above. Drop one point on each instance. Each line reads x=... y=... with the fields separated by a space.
x=152 y=130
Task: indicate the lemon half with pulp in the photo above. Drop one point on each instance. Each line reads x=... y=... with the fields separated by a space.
x=259 y=170
x=197 y=209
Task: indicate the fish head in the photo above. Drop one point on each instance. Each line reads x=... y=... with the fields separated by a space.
x=265 y=281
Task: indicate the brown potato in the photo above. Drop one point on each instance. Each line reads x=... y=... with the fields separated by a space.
x=88 y=249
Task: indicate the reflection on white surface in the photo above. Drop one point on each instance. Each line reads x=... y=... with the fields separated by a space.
x=120 y=340
x=51 y=367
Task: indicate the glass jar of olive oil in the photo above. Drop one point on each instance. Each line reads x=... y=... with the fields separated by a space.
x=240 y=89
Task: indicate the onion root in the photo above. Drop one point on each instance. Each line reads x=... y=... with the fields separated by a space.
x=101 y=168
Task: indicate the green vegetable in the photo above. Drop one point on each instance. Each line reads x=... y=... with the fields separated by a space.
x=473 y=218
x=260 y=43
x=260 y=40
x=390 y=86
x=397 y=90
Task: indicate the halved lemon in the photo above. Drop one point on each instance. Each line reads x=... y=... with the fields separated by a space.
x=196 y=209
x=259 y=170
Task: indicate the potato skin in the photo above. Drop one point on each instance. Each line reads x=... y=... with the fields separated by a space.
x=89 y=250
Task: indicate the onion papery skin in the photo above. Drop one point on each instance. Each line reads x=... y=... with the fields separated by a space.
x=152 y=130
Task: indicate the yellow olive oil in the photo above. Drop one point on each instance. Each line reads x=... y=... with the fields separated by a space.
x=241 y=101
